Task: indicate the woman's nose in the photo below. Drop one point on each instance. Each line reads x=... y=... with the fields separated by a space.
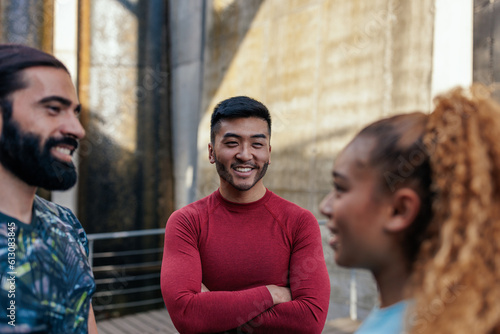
x=326 y=205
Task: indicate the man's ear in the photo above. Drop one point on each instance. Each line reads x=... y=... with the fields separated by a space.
x=406 y=206
x=269 y=162
x=1 y=120
x=211 y=155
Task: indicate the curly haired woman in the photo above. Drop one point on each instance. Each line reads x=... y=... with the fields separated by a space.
x=416 y=201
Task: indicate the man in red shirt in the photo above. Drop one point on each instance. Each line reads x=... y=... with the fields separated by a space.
x=244 y=260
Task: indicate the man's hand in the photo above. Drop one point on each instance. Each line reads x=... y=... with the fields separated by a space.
x=280 y=294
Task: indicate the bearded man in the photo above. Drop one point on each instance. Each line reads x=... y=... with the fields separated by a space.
x=46 y=282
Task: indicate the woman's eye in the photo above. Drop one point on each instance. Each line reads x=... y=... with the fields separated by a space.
x=338 y=188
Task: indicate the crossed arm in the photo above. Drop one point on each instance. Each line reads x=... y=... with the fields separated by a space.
x=279 y=294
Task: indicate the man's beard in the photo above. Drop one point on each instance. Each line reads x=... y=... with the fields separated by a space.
x=225 y=175
x=20 y=153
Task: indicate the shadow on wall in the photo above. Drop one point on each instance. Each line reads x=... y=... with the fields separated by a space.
x=224 y=41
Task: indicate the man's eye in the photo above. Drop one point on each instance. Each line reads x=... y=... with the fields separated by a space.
x=258 y=144
x=54 y=109
x=231 y=143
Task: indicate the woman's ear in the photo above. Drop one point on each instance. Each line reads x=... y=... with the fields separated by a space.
x=406 y=206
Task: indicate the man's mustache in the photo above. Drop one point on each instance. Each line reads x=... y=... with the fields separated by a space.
x=51 y=142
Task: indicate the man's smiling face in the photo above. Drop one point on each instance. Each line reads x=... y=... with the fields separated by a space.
x=39 y=137
x=241 y=152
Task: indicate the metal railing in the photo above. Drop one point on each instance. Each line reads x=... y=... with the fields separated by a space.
x=120 y=278
x=117 y=280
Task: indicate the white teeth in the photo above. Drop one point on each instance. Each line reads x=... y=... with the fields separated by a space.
x=63 y=150
x=243 y=170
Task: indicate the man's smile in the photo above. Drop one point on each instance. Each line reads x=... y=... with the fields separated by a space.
x=243 y=170
x=63 y=152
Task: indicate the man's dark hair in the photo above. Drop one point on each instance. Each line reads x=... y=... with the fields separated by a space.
x=13 y=59
x=238 y=107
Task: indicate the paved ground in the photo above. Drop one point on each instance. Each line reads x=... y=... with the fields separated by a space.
x=158 y=322
x=340 y=326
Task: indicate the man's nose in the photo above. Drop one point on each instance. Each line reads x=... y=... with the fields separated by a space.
x=244 y=153
x=71 y=126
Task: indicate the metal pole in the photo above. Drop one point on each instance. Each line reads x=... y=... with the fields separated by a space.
x=91 y=252
x=353 y=307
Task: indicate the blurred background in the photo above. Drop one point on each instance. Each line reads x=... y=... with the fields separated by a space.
x=149 y=72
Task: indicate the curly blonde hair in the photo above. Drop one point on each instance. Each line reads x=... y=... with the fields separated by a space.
x=456 y=277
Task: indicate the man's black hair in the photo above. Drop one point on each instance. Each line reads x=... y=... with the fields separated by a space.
x=13 y=59
x=238 y=107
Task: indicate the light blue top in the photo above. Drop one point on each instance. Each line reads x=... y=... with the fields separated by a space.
x=387 y=320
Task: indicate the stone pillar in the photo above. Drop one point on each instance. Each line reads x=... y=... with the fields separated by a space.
x=487 y=44
x=125 y=178
x=186 y=51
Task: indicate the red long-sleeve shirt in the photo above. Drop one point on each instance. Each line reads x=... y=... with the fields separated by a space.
x=236 y=250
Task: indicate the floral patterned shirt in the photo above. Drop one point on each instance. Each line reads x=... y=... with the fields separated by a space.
x=46 y=282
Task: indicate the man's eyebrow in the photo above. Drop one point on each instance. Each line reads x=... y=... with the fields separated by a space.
x=59 y=99
x=230 y=134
